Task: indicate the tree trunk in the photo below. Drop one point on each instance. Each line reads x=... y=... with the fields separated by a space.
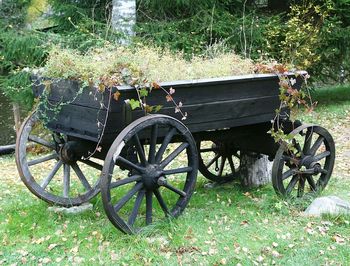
x=124 y=19
x=255 y=171
x=16 y=115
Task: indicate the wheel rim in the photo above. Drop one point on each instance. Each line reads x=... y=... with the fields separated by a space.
x=158 y=182
x=50 y=175
x=218 y=161
x=307 y=168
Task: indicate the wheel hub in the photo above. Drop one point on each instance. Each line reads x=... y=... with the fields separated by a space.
x=317 y=168
x=151 y=176
x=223 y=149
x=308 y=162
x=67 y=153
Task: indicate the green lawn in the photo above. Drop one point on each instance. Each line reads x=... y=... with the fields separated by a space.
x=221 y=225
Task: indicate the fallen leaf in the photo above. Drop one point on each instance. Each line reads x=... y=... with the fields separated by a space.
x=244 y=223
x=52 y=246
x=75 y=249
x=338 y=239
x=46 y=260
x=223 y=261
x=275 y=254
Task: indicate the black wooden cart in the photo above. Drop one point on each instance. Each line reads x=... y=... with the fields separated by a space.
x=155 y=158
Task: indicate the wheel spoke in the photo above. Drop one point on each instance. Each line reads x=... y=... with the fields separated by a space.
x=311 y=182
x=161 y=202
x=288 y=173
x=54 y=170
x=321 y=156
x=165 y=143
x=149 y=207
x=140 y=150
x=301 y=187
x=66 y=180
x=130 y=164
x=287 y=158
x=308 y=140
x=292 y=184
x=127 y=196
x=213 y=160
x=316 y=145
x=174 y=154
x=136 y=207
x=208 y=149
x=324 y=171
x=172 y=188
x=125 y=181
x=41 y=142
x=81 y=176
x=177 y=171
x=232 y=166
x=222 y=165
x=43 y=159
x=153 y=144
x=92 y=164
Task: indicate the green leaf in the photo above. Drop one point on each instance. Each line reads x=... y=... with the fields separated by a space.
x=143 y=92
x=134 y=104
x=157 y=108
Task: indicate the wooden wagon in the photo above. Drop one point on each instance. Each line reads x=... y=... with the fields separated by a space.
x=145 y=166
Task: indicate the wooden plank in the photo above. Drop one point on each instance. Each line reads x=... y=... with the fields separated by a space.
x=66 y=90
x=212 y=115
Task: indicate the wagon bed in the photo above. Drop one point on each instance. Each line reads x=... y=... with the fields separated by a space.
x=211 y=104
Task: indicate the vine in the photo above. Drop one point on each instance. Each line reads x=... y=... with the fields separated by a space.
x=48 y=111
x=290 y=99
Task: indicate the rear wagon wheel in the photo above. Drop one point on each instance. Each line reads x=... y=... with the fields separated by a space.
x=308 y=166
x=47 y=173
x=218 y=161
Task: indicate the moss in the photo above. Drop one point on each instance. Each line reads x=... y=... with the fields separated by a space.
x=149 y=62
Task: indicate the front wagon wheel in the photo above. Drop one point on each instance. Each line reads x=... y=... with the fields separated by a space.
x=49 y=167
x=149 y=173
x=307 y=166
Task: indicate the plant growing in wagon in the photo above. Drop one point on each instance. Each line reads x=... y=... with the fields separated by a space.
x=136 y=124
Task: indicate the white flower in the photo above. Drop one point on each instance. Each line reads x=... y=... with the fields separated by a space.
x=293 y=81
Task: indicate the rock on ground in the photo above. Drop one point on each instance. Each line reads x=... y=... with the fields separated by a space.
x=328 y=205
x=71 y=210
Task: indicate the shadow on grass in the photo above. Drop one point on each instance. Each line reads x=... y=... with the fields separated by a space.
x=332 y=95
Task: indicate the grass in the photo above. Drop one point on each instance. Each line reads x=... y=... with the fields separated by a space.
x=222 y=225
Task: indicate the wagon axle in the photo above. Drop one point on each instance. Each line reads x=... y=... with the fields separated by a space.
x=68 y=152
